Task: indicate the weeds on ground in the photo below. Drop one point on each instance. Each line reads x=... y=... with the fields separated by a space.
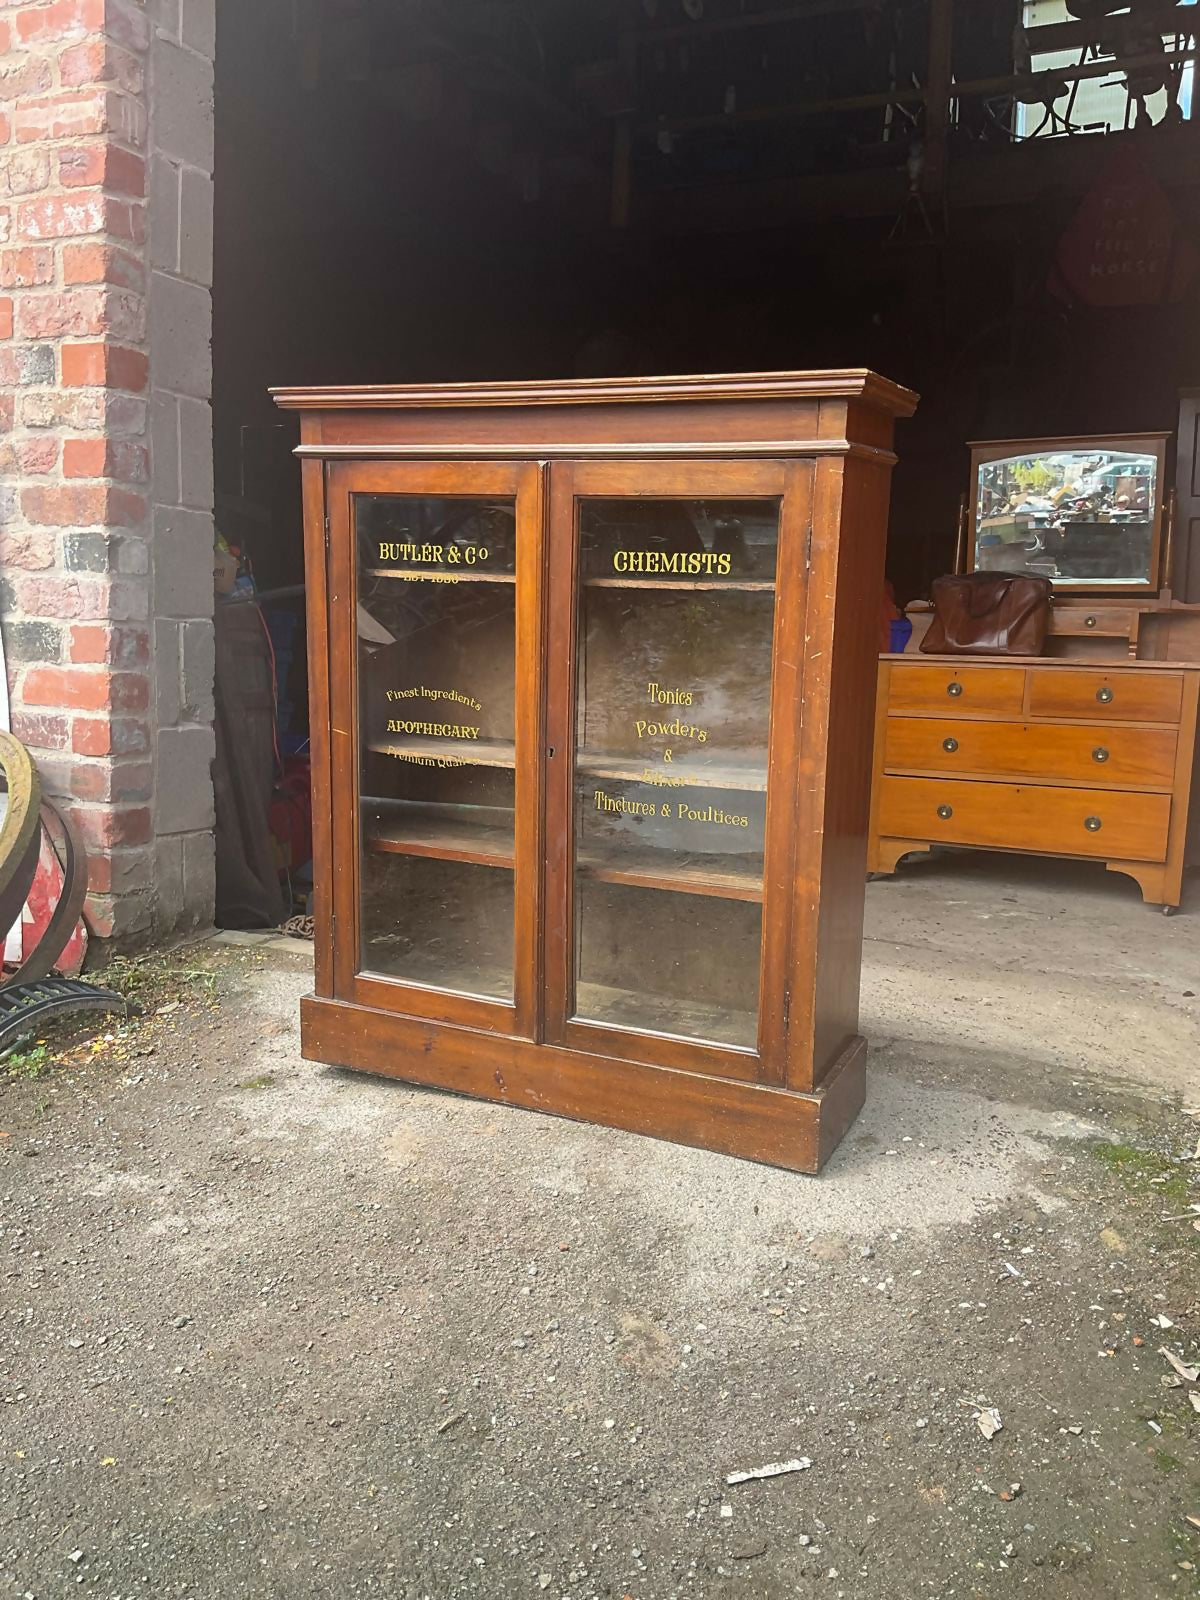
x=1145 y=1172
x=27 y=1060
x=154 y=986
x=1161 y=1196
x=150 y=981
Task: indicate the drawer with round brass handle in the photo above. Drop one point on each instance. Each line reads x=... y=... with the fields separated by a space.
x=1147 y=694
x=1118 y=622
x=1098 y=751
x=916 y=685
x=988 y=814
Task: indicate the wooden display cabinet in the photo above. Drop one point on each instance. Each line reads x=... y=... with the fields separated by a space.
x=591 y=673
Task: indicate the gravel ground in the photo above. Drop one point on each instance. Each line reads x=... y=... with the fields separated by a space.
x=271 y=1329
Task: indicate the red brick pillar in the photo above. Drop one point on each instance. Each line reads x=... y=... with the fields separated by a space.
x=76 y=556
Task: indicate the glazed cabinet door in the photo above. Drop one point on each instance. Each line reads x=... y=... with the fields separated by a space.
x=435 y=605
x=678 y=592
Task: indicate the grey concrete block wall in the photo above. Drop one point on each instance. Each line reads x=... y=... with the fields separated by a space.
x=195 y=225
x=164 y=213
x=197 y=669
x=195 y=451
x=198 y=26
x=165 y=443
x=199 y=869
x=180 y=97
x=183 y=559
x=180 y=335
x=183 y=794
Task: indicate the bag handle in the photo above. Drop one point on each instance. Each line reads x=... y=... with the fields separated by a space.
x=982 y=598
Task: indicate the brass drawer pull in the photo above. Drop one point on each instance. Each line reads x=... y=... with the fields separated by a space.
x=950 y=745
x=954 y=688
x=1089 y=622
x=1104 y=695
x=946 y=812
x=1092 y=824
x=1100 y=753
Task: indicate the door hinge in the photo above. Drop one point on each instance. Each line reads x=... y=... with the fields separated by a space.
x=807 y=547
x=327 y=533
x=787 y=1003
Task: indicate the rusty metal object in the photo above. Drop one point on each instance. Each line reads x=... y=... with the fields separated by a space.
x=20 y=835
x=32 y=995
x=24 y=1007
x=72 y=858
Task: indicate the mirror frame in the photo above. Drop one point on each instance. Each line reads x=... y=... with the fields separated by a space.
x=1150 y=444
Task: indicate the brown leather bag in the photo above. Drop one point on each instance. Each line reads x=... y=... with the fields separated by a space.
x=989 y=614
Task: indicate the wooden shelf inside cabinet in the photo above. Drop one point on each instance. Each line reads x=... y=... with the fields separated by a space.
x=674 y=1016
x=747 y=779
x=463 y=752
x=448 y=576
x=457 y=977
x=716 y=876
x=396 y=828
x=738 y=585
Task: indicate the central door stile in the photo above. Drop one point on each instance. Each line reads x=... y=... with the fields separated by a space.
x=559 y=743
x=530 y=788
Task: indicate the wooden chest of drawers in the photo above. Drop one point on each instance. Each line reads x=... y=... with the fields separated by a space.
x=1041 y=756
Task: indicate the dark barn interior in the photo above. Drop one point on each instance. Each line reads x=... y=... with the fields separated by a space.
x=994 y=204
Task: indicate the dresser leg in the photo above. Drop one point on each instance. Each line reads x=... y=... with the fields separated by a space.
x=886 y=853
x=1158 y=885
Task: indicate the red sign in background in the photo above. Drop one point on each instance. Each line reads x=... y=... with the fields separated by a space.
x=1123 y=247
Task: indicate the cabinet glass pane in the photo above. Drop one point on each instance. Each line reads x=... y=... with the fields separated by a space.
x=676 y=612
x=436 y=665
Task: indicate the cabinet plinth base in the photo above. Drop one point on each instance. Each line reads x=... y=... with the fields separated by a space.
x=757 y=1122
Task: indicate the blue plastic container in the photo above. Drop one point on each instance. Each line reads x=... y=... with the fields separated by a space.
x=901 y=634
